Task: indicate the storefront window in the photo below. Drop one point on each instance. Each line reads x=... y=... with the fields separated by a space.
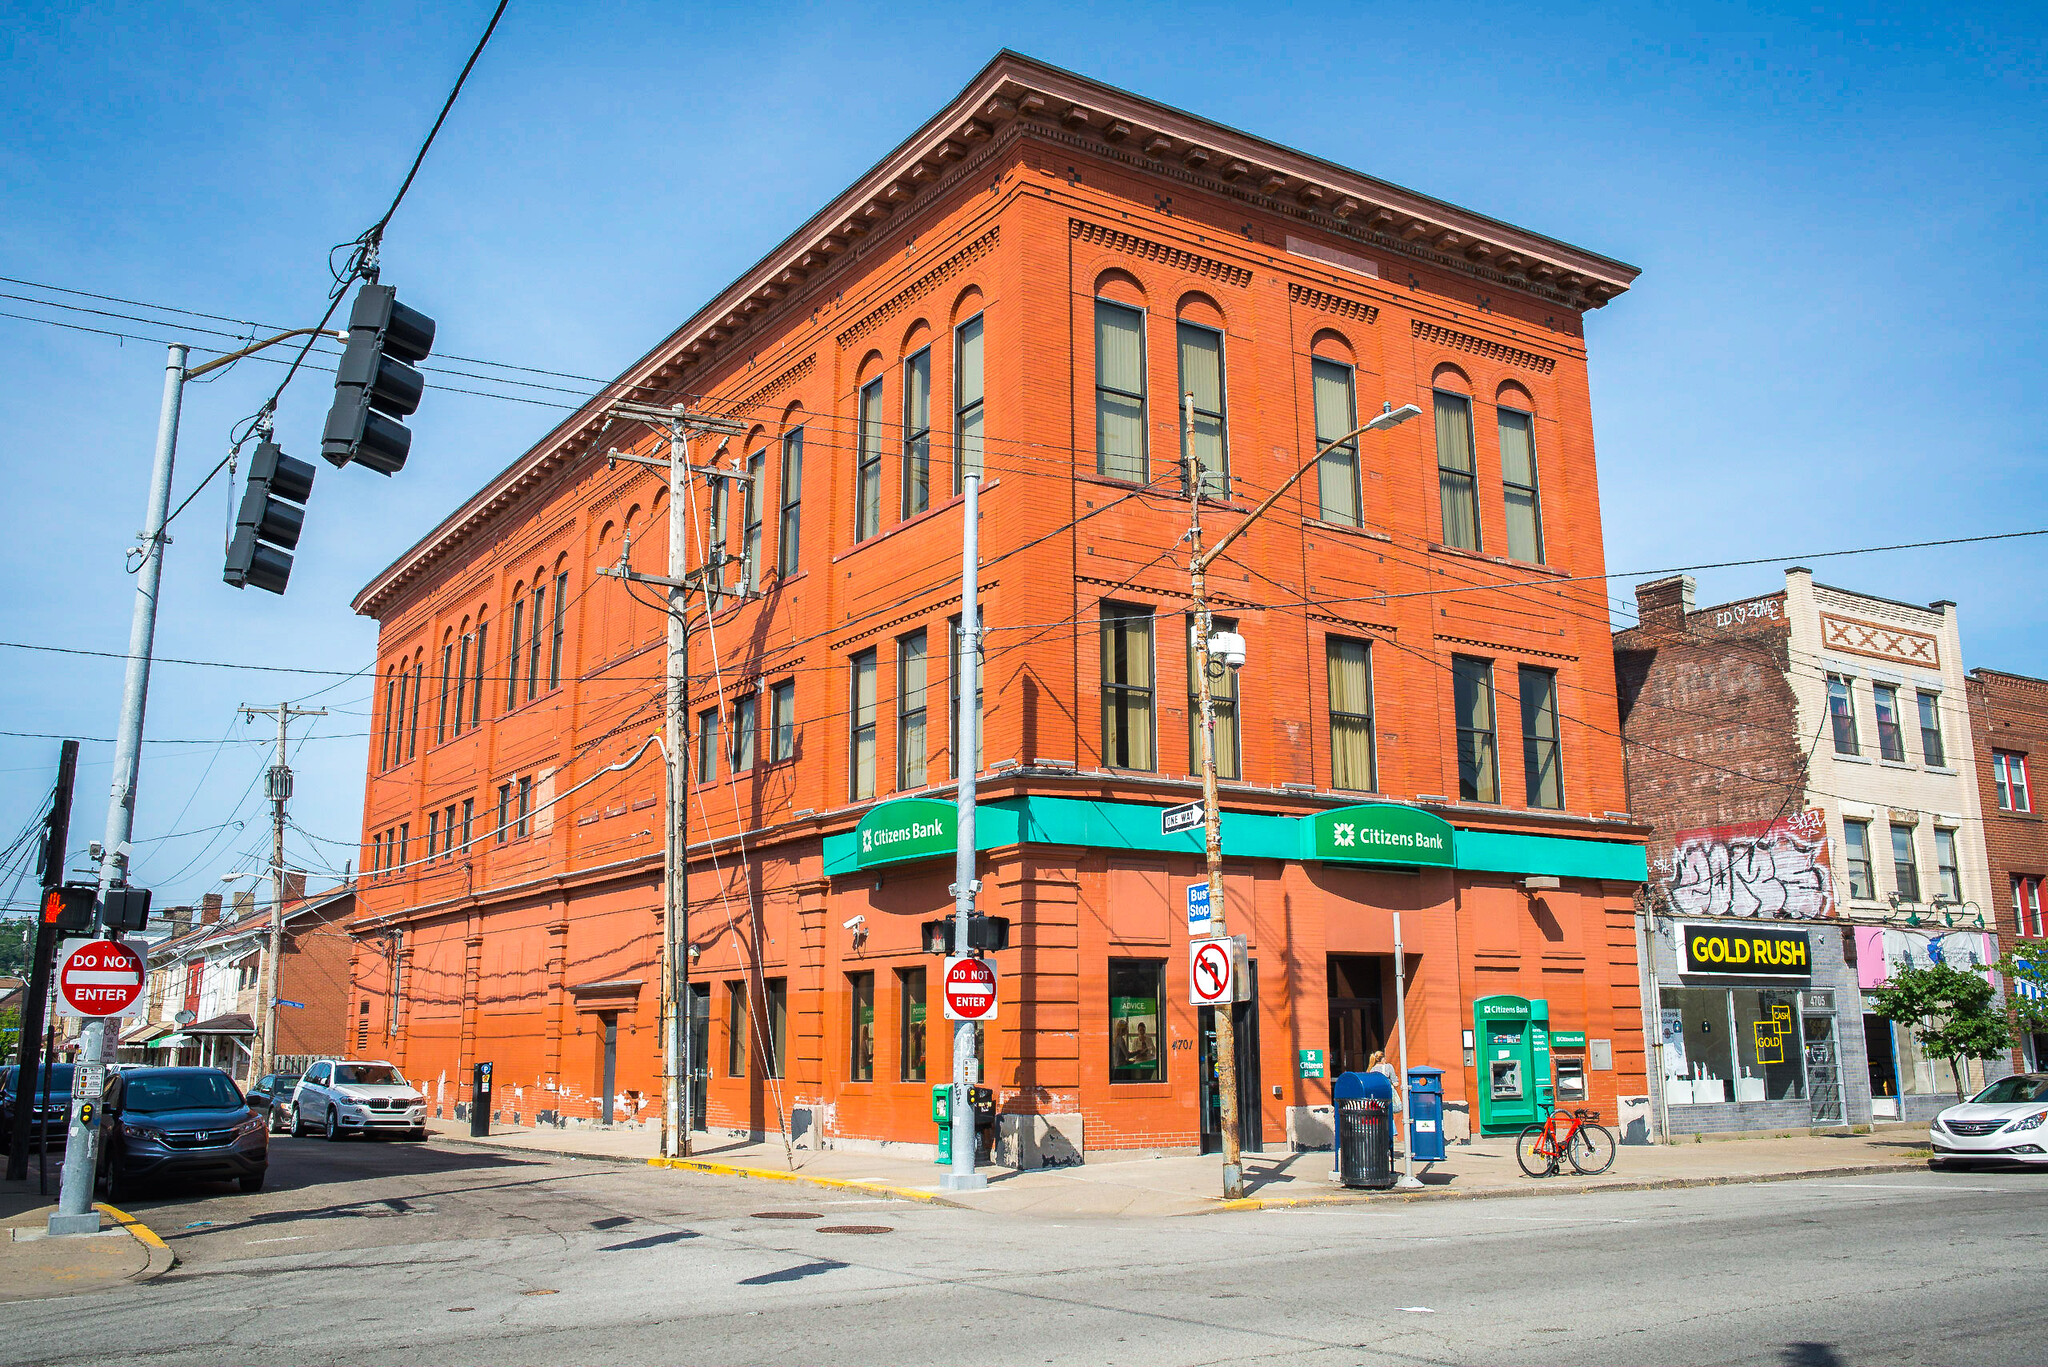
x=911 y=1047
x=1137 y=991
x=1697 y=1064
x=1920 y=1075
x=1768 y=1046
x=862 y=990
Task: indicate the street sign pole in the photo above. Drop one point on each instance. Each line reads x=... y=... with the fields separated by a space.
x=967 y=753
x=1408 y=1178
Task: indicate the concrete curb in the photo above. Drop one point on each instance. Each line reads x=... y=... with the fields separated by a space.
x=780 y=1175
x=485 y=1146
x=161 y=1258
x=1541 y=1187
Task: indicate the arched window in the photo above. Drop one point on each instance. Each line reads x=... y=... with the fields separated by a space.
x=1120 y=378
x=1198 y=336
x=1333 y=382
x=1456 y=464
x=1523 y=503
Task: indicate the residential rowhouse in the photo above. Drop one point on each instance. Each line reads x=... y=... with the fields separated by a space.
x=2008 y=731
x=1074 y=294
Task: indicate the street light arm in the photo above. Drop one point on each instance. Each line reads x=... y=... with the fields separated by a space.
x=1379 y=421
x=233 y=356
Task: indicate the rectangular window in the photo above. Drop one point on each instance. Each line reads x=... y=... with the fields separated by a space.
x=404 y=843
x=953 y=675
x=512 y=654
x=1769 y=1047
x=1478 y=761
x=412 y=729
x=716 y=541
x=1931 y=748
x=782 y=720
x=1891 y=739
x=1856 y=841
x=1457 y=471
x=2010 y=771
x=736 y=1029
x=504 y=812
x=1336 y=404
x=462 y=683
x=1119 y=392
x=1518 y=486
x=377 y=853
x=448 y=831
x=540 y=601
x=776 y=990
x=861 y=721
x=789 y=528
x=555 y=641
x=743 y=734
x=447 y=682
x=910 y=1024
x=860 y=990
x=1222 y=702
x=1205 y=435
x=1947 y=871
x=468 y=819
x=967 y=405
x=1542 y=766
x=917 y=433
x=476 y=695
x=1137 y=996
x=1905 y=871
x=404 y=691
x=1354 y=761
x=1127 y=686
x=525 y=807
x=707 y=745
x=1842 y=715
x=433 y=834
x=867 y=480
x=910 y=710
x=750 y=523
x=390 y=719
x=2026 y=906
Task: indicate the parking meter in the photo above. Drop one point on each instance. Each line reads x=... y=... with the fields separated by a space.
x=942 y=1116
x=480 y=1102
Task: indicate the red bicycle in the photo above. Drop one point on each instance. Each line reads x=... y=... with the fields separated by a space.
x=1567 y=1136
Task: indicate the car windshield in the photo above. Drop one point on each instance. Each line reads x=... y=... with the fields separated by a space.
x=181 y=1092
x=58 y=1078
x=2007 y=1090
x=368 y=1074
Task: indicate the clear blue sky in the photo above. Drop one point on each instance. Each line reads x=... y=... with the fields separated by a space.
x=1835 y=342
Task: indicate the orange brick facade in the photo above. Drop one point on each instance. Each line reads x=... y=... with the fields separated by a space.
x=534 y=941
x=2009 y=722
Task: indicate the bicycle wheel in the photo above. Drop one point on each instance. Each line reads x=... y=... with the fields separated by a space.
x=1591 y=1149
x=1534 y=1152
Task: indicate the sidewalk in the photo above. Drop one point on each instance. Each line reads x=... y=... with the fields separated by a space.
x=33 y=1266
x=1185 y=1185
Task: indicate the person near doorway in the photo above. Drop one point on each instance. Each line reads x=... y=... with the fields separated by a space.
x=1378 y=1064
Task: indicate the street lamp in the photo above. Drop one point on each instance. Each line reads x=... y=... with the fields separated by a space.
x=1230 y=648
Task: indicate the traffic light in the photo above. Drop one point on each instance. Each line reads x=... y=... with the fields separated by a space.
x=983 y=932
x=267 y=527
x=125 y=909
x=68 y=907
x=376 y=384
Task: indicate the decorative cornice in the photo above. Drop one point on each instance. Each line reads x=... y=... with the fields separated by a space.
x=1479 y=346
x=937 y=275
x=1332 y=303
x=1181 y=260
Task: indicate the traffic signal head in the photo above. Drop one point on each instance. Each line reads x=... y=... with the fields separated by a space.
x=68 y=908
x=267 y=528
x=376 y=384
x=125 y=909
x=987 y=933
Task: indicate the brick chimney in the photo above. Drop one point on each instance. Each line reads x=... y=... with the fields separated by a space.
x=180 y=920
x=1664 y=602
x=209 y=908
x=294 y=886
x=245 y=903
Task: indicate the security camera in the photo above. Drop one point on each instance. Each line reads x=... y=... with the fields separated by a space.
x=856 y=923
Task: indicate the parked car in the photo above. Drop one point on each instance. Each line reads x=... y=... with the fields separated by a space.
x=357 y=1098
x=192 y=1123
x=271 y=1098
x=2007 y=1122
x=48 y=1115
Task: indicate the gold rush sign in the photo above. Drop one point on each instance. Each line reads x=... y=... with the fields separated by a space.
x=1747 y=952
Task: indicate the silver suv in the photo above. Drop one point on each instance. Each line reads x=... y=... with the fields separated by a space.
x=357 y=1098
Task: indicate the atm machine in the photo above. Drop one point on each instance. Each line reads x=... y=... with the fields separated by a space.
x=1511 y=1037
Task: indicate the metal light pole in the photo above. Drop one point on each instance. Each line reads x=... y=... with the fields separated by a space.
x=966 y=748
x=1408 y=1178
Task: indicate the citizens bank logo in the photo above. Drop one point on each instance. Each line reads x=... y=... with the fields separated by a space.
x=916 y=830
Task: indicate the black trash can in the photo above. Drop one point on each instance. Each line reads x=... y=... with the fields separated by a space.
x=1365 y=1130
x=480 y=1102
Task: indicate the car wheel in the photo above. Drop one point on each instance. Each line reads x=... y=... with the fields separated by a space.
x=296 y=1126
x=333 y=1126
x=252 y=1182
x=418 y=1136
x=270 y=1125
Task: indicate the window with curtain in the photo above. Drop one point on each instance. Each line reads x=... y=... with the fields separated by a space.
x=1205 y=435
x=1931 y=748
x=1457 y=471
x=1222 y=701
x=1842 y=715
x=447 y=683
x=967 y=403
x=861 y=721
x=1119 y=392
x=2026 y=905
x=404 y=692
x=910 y=1024
x=512 y=652
x=555 y=645
x=1478 y=761
x=1856 y=844
x=776 y=990
x=540 y=601
x=917 y=433
x=750 y=523
x=1354 y=762
x=860 y=992
x=476 y=693
x=910 y=710
x=1518 y=486
x=462 y=680
x=1905 y=869
x=782 y=720
x=1891 y=738
x=1542 y=766
x=743 y=734
x=867 y=477
x=2009 y=774
x=736 y=1029
x=1948 y=872
x=788 y=547
x=1127 y=686
x=391 y=720
x=412 y=725
x=707 y=745
x=953 y=639
x=715 y=541
x=1336 y=400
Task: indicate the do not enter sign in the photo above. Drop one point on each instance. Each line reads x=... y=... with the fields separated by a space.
x=100 y=978
x=970 y=990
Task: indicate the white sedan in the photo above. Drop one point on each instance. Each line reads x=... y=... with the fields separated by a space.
x=2007 y=1122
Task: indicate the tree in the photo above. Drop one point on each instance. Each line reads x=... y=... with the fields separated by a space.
x=2028 y=964
x=1950 y=1012
x=17 y=943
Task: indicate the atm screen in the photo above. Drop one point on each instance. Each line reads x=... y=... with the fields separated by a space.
x=1507 y=1080
x=1571 y=1079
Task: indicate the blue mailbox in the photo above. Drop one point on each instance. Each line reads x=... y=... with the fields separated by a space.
x=1426 y=1114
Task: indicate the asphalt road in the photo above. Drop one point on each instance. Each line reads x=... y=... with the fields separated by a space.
x=401 y=1253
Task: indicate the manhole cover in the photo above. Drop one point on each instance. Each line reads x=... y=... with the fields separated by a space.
x=856 y=1229
x=787 y=1215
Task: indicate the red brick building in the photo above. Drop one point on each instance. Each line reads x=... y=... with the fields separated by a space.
x=1027 y=284
x=2009 y=725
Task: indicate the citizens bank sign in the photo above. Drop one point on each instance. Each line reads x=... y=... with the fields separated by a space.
x=1378 y=833
x=909 y=828
x=1746 y=952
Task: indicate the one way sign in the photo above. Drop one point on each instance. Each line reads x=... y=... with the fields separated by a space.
x=1185 y=817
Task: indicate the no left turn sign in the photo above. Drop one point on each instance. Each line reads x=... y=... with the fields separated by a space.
x=100 y=978
x=970 y=990
x=1211 y=972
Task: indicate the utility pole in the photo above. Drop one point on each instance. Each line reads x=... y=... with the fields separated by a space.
x=681 y=424
x=966 y=749
x=278 y=787
x=56 y=834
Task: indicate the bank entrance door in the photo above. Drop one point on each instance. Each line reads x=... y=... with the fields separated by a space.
x=700 y=1051
x=1245 y=1019
x=1357 y=1024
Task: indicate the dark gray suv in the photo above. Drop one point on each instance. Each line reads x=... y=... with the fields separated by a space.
x=191 y=1123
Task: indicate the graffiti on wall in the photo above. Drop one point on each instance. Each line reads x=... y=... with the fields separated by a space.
x=1756 y=868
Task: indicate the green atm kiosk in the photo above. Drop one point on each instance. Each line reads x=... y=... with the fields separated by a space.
x=1511 y=1039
